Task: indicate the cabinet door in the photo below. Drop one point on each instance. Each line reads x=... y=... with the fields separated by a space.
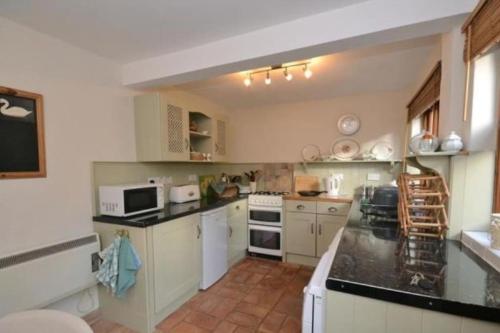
x=175 y=244
x=220 y=142
x=237 y=237
x=328 y=226
x=301 y=233
x=175 y=132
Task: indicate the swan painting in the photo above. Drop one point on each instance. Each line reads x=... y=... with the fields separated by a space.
x=13 y=111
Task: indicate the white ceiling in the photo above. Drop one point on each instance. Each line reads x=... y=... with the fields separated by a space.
x=391 y=67
x=127 y=30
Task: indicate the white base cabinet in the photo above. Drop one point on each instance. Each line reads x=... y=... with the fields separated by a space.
x=237 y=231
x=349 y=313
x=310 y=228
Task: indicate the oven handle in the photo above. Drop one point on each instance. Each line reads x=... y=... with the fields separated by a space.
x=267 y=209
x=264 y=228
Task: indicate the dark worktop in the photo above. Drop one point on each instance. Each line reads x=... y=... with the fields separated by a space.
x=375 y=260
x=171 y=211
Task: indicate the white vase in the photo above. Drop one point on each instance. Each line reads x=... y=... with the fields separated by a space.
x=452 y=142
x=253 y=187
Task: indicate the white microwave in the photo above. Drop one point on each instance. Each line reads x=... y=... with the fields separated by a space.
x=127 y=200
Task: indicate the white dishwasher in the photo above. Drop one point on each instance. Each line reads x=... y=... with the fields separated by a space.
x=314 y=308
x=214 y=246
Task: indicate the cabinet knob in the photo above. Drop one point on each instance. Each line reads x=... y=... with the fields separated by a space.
x=300 y=207
x=319 y=229
x=199 y=231
x=186 y=143
x=312 y=228
x=332 y=209
x=230 y=232
x=237 y=207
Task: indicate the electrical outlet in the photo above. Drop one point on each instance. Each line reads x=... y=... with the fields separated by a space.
x=193 y=178
x=96 y=261
x=373 y=177
x=154 y=180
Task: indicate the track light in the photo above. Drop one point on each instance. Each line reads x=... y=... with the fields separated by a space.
x=307 y=71
x=288 y=75
x=268 y=78
x=248 y=80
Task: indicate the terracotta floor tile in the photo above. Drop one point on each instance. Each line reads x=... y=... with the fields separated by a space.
x=244 y=330
x=173 y=319
x=254 y=278
x=264 y=297
x=272 y=323
x=103 y=326
x=243 y=319
x=231 y=293
x=241 y=276
x=210 y=303
x=225 y=307
x=252 y=309
x=290 y=305
x=184 y=327
x=243 y=287
x=272 y=282
x=202 y=320
x=291 y=325
x=226 y=327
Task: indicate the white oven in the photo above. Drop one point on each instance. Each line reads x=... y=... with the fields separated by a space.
x=264 y=239
x=262 y=215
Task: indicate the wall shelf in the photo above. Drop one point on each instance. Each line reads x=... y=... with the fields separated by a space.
x=354 y=161
x=439 y=154
x=194 y=134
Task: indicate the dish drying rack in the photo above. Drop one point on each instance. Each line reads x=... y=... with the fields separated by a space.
x=422 y=205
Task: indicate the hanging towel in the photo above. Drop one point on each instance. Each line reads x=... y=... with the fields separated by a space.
x=128 y=265
x=108 y=270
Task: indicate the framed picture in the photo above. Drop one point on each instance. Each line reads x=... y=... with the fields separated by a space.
x=22 y=145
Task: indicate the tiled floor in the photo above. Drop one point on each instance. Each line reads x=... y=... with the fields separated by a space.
x=256 y=295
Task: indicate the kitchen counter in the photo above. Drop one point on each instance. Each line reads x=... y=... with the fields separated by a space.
x=322 y=197
x=171 y=211
x=375 y=260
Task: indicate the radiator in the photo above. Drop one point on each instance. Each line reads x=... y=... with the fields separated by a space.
x=38 y=277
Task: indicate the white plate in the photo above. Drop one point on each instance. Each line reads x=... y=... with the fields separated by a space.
x=382 y=151
x=311 y=153
x=348 y=124
x=345 y=149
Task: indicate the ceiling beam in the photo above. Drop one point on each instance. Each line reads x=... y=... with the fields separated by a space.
x=364 y=24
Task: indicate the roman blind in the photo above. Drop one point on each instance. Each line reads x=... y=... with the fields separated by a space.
x=427 y=96
x=482 y=29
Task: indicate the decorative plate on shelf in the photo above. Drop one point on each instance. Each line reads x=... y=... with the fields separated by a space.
x=311 y=153
x=345 y=149
x=382 y=151
x=348 y=124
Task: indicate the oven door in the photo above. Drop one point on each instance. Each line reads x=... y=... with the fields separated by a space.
x=271 y=216
x=265 y=240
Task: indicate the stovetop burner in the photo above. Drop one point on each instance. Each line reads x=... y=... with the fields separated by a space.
x=270 y=193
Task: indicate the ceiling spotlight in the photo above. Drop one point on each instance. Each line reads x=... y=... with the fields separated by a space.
x=288 y=76
x=248 y=80
x=307 y=71
x=268 y=79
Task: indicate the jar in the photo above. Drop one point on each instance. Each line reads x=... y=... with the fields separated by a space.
x=424 y=142
x=452 y=143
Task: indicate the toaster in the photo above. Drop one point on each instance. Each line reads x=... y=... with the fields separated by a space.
x=184 y=193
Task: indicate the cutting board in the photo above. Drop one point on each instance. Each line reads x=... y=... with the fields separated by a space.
x=306 y=183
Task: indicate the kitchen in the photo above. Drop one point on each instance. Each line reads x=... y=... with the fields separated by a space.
x=244 y=243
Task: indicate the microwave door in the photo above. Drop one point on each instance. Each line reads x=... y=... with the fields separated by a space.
x=140 y=199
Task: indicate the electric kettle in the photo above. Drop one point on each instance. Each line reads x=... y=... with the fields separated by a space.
x=333 y=183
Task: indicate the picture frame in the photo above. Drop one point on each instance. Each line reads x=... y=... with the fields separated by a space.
x=22 y=136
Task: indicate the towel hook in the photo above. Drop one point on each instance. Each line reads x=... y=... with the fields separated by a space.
x=122 y=233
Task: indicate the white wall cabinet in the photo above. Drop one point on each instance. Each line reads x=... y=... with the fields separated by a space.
x=221 y=140
x=310 y=227
x=161 y=129
x=238 y=231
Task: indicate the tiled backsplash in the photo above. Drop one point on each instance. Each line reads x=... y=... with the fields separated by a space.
x=275 y=176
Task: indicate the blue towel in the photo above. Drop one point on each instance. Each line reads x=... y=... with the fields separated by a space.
x=108 y=270
x=128 y=265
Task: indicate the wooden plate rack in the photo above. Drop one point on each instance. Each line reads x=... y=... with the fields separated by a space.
x=422 y=205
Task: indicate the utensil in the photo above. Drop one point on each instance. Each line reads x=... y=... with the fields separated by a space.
x=345 y=149
x=311 y=153
x=348 y=124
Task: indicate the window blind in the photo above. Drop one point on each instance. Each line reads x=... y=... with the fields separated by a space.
x=428 y=94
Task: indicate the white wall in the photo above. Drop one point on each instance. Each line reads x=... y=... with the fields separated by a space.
x=277 y=133
x=88 y=116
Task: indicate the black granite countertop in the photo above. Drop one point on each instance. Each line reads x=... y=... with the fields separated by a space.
x=170 y=212
x=375 y=260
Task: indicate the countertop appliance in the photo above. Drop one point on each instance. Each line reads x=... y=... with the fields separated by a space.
x=333 y=183
x=184 y=193
x=128 y=200
x=265 y=221
x=314 y=308
x=214 y=244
